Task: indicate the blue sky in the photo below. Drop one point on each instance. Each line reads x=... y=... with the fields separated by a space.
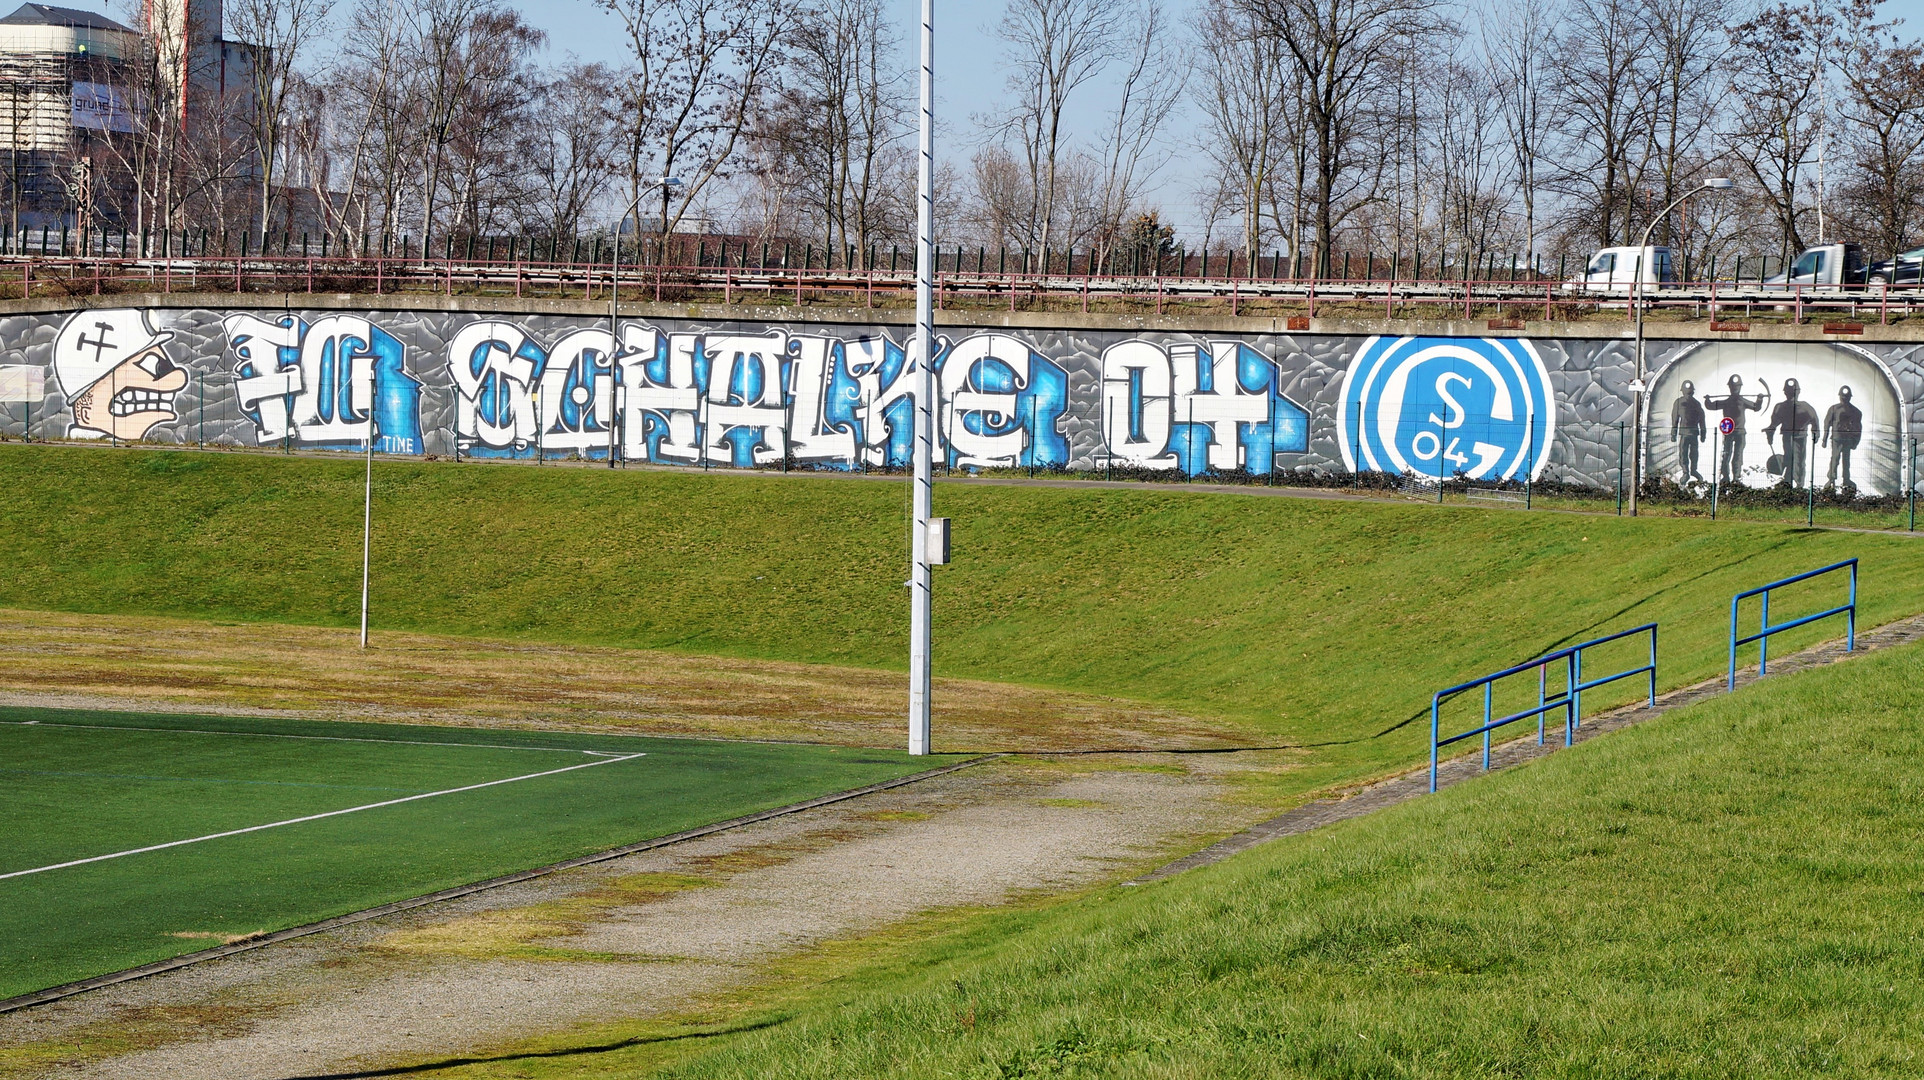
x=968 y=80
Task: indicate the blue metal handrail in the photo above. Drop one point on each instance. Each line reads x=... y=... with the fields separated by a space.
x=1570 y=699
x=1762 y=637
x=1628 y=673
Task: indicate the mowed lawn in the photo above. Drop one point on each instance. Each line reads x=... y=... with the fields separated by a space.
x=1320 y=624
x=1733 y=890
x=78 y=785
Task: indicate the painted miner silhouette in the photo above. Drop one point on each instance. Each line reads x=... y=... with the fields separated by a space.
x=1798 y=421
x=1688 y=430
x=1733 y=406
x=1843 y=429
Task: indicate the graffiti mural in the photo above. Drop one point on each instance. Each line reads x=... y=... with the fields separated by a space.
x=1195 y=407
x=1479 y=407
x=680 y=398
x=683 y=392
x=115 y=373
x=1796 y=413
x=332 y=383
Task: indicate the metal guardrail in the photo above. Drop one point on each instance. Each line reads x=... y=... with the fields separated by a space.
x=1762 y=637
x=1570 y=699
x=742 y=280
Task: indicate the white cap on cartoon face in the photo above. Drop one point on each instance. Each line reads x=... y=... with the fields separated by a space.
x=93 y=343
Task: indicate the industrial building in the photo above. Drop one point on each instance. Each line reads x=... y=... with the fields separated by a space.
x=93 y=113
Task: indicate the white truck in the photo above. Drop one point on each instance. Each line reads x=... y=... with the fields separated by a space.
x=1830 y=265
x=1613 y=269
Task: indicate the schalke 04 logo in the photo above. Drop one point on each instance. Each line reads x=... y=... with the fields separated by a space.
x=1442 y=406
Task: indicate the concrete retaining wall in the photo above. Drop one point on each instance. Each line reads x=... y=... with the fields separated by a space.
x=746 y=387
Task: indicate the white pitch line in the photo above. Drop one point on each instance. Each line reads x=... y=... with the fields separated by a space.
x=281 y=735
x=315 y=817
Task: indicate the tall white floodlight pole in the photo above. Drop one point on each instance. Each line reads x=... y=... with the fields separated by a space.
x=920 y=578
x=367 y=524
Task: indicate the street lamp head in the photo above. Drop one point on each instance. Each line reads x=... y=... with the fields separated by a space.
x=1718 y=183
x=675 y=181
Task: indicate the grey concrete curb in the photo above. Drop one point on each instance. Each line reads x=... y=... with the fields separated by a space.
x=55 y=993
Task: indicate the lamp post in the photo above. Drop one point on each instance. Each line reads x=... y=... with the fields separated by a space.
x=921 y=579
x=614 y=301
x=1637 y=388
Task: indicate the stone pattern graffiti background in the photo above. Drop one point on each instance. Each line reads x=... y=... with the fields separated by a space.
x=829 y=395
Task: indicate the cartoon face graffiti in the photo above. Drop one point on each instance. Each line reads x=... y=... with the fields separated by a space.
x=116 y=376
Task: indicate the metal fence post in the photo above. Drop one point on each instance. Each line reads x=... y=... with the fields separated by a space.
x=1716 y=473
x=1542 y=677
x=1032 y=420
x=1570 y=697
x=1433 y=737
x=1619 y=469
x=1913 y=488
x=1487 y=687
x=1850 y=634
x=1731 y=684
x=1529 y=464
x=1576 y=695
x=1653 y=665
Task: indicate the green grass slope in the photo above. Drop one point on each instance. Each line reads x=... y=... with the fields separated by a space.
x=1731 y=891
x=1306 y=621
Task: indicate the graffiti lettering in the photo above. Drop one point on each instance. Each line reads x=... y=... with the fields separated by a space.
x=1196 y=407
x=327 y=383
x=732 y=397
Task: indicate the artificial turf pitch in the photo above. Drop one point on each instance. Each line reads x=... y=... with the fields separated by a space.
x=77 y=785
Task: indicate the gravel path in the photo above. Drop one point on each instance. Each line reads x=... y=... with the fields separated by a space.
x=647 y=935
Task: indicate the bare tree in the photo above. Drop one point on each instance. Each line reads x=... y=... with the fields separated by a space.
x=186 y=151
x=1153 y=79
x=1774 y=63
x=997 y=211
x=1342 y=54
x=492 y=129
x=280 y=31
x=1057 y=46
x=375 y=120
x=1471 y=209
x=1246 y=120
x=701 y=66
x=1516 y=37
x=1687 y=46
x=442 y=38
x=1884 y=109
x=1605 y=90
x=572 y=146
x=839 y=122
